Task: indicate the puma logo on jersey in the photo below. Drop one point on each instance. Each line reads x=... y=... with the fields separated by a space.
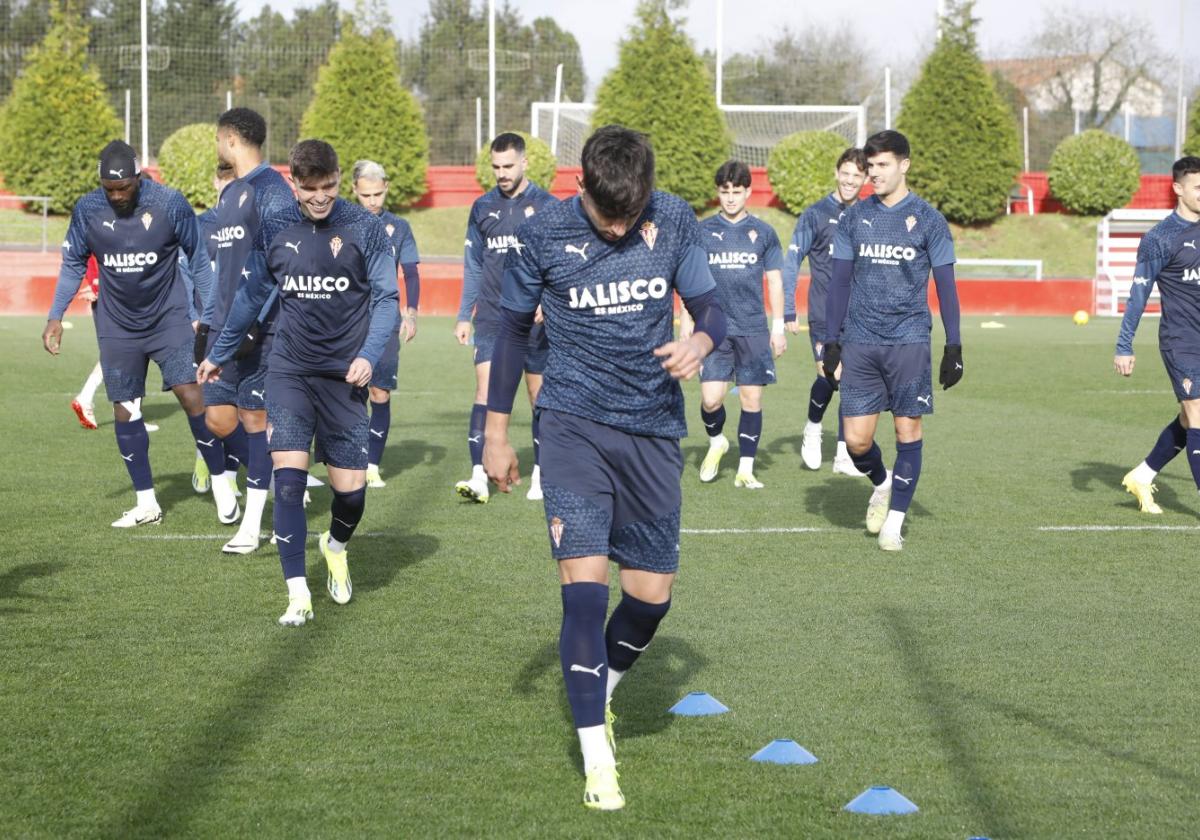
x=494 y=215
x=580 y=250
x=111 y=225
x=1191 y=244
x=719 y=236
x=595 y=672
x=295 y=246
x=925 y=399
x=867 y=222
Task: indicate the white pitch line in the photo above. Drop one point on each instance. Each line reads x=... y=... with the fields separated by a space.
x=752 y=530
x=1130 y=391
x=312 y=535
x=1119 y=528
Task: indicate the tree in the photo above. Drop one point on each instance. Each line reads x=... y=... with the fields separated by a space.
x=816 y=66
x=25 y=24
x=1094 y=172
x=966 y=152
x=1192 y=146
x=57 y=118
x=662 y=88
x=362 y=110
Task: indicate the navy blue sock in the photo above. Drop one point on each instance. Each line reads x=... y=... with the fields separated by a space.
x=841 y=426
x=381 y=422
x=1193 y=454
x=236 y=449
x=475 y=435
x=1172 y=439
x=345 y=513
x=630 y=630
x=818 y=399
x=258 y=466
x=714 y=421
x=870 y=464
x=537 y=443
x=581 y=649
x=905 y=474
x=749 y=431
x=212 y=450
x=134 y=445
x=291 y=529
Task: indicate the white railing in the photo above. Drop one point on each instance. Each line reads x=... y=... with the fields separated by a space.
x=1036 y=265
x=45 y=200
x=1117 y=238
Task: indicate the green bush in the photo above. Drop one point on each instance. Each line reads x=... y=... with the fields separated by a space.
x=800 y=167
x=187 y=161
x=661 y=88
x=1192 y=146
x=362 y=110
x=1094 y=172
x=57 y=118
x=542 y=164
x=966 y=153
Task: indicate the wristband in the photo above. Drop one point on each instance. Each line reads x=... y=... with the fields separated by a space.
x=777 y=326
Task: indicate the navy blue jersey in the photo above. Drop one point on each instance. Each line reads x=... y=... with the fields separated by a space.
x=738 y=254
x=400 y=237
x=812 y=238
x=207 y=224
x=893 y=249
x=607 y=306
x=139 y=259
x=1168 y=255
x=337 y=293
x=247 y=206
x=491 y=234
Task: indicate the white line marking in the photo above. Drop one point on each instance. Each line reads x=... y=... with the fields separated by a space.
x=312 y=536
x=1119 y=528
x=753 y=530
x=1128 y=391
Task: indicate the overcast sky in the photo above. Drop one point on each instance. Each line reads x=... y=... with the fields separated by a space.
x=898 y=29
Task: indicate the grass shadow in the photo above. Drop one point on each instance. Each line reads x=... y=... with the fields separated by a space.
x=1087 y=476
x=409 y=454
x=377 y=561
x=12 y=582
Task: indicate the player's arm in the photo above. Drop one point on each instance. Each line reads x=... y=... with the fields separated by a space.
x=1145 y=274
x=385 y=303
x=75 y=253
x=837 y=301
x=772 y=264
x=472 y=279
x=197 y=266
x=941 y=257
x=798 y=248
x=686 y=325
x=694 y=282
x=409 y=258
x=253 y=292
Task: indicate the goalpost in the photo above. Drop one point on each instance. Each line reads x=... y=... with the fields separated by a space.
x=755 y=128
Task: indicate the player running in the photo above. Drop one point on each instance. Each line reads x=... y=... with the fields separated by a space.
x=371 y=186
x=258 y=199
x=603 y=266
x=491 y=234
x=741 y=249
x=878 y=322
x=336 y=280
x=137 y=230
x=1168 y=255
x=813 y=238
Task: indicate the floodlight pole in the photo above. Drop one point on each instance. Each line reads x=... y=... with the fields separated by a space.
x=478 y=123
x=128 y=98
x=491 y=69
x=720 y=49
x=887 y=97
x=1025 y=133
x=1181 y=116
x=228 y=100
x=558 y=71
x=145 y=89
x=941 y=13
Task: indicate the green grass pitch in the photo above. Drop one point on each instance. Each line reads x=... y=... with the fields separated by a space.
x=1011 y=681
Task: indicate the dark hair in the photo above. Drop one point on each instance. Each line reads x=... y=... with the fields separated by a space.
x=853 y=155
x=733 y=172
x=247 y=124
x=1187 y=165
x=508 y=140
x=618 y=170
x=225 y=171
x=312 y=159
x=887 y=141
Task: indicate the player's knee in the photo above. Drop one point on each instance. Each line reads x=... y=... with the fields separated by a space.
x=252 y=421
x=711 y=404
x=380 y=395
x=751 y=401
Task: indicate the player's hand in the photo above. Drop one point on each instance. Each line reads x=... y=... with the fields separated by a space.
x=831 y=361
x=52 y=336
x=359 y=373
x=792 y=326
x=951 y=370
x=685 y=331
x=408 y=326
x=681 y=359
x=207 y=372
x=1123 y=364
x=538 y=317
x=87 y=294
x=778 y=345
x=200 y=345
x=500 y=463
x=462 y=331
x=249 y=341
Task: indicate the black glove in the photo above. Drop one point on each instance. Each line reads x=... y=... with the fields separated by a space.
x=249 y=341
x=831 y=357
x=952 y=366
x=200 y=344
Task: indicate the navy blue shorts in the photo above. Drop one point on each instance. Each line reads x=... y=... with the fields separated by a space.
x=609 y=493
x=535 y=356
x=882 y=377
x=745 y=359
x=125 y=361
x=386 y=374
x=243 y=382
x=330 y=410
x=816 y=342
x=1184 y=370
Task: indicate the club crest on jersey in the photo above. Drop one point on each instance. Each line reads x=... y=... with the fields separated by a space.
x=146 y=220
x=390 y=229
x=910 y=223
x=649 y=233
x=242 y=199
x=556 y=531
x=753 y=234
x=529 y=211
x=335 y=245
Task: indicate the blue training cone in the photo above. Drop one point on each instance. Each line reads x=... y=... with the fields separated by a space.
x=880 y=799
x=784 y=751
x=699 y=703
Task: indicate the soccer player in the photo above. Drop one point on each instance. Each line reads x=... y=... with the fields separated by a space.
x=257 y=199
x=1168 y=255
x=741 y=249
x=603 y=266
x=371 y=186
x=491 y=234
x=137 y=230
x=336 y=280
x=813 y=237
x=878 y=323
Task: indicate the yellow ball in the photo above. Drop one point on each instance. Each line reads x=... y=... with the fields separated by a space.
x=1080 y=317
